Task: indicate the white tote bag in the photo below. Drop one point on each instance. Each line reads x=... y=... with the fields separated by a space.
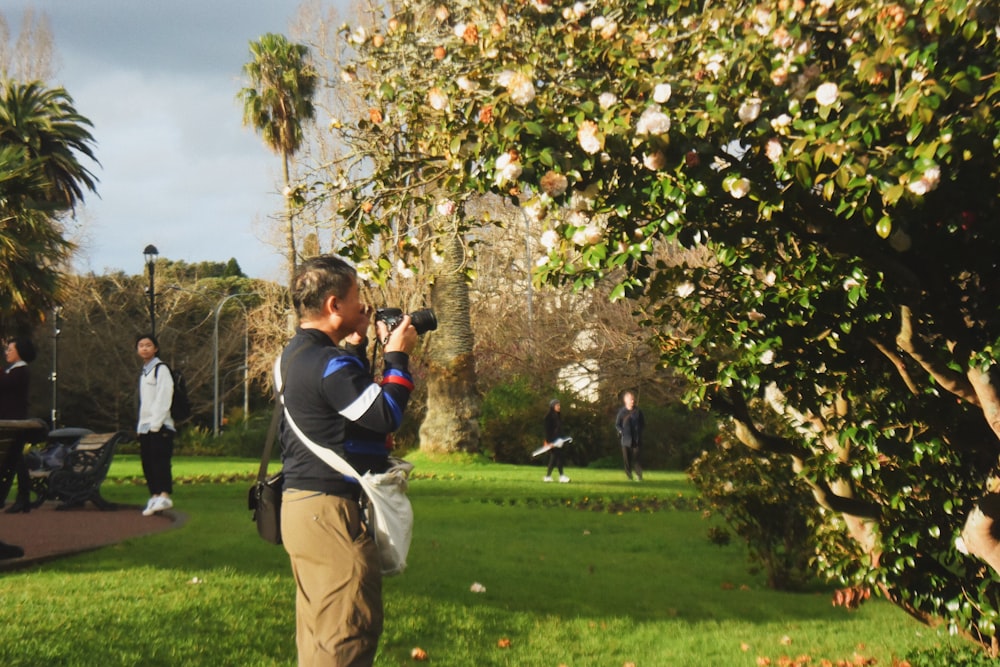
x=388 y=511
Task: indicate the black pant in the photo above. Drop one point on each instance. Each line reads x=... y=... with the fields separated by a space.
x=155 y=451
x=555 y=460
x=631 y=457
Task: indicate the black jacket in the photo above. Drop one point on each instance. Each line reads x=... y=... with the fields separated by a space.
x=330 y=394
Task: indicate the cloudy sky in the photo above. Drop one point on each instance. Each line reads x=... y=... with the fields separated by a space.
x=159 y=79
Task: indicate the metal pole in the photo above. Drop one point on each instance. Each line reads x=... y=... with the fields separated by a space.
x=55 y=366
x=150 y=253
x=152 y=299
x=215 y=355
x=246 y=368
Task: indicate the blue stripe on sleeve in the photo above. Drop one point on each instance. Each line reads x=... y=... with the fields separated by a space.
x=341 y=362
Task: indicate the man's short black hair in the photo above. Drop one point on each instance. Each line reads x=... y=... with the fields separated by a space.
x=318 y=278
x=25 y=349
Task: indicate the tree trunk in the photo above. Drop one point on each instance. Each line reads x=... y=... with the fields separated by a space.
x=452 y=420
x=289 y=222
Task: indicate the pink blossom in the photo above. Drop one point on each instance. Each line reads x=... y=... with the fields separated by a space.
x=654 y=161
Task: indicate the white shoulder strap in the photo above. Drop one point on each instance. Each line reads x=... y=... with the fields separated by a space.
x=328 y=456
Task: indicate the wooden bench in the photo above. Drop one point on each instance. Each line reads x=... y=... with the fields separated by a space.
x=82 y=473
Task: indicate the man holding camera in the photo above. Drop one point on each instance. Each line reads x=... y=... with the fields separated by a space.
x=330 y=394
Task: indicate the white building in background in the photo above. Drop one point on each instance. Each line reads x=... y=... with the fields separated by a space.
x=581 y=378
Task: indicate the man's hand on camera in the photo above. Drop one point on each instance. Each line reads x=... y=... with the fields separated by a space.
x=401 y=339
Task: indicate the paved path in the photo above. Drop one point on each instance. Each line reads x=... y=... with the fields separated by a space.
x=46 y=533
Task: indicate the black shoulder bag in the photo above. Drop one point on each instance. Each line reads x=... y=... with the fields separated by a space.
x=265 y=494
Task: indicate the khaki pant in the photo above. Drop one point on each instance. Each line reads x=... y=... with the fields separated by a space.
x=338 y=604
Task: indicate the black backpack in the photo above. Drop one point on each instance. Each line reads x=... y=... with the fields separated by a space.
x=180 y=406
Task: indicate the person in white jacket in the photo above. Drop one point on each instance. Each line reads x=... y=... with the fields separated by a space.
x=156 y=427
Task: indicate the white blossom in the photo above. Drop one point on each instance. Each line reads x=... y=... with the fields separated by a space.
x=521 y=88
x=403 y=270
x=773 y=150
x=739 y=188
x=359 y=35
x=827 y=93
x=466 y=84
x=607 y=100
x=549 y=239
x=767 y=357
x=685 y=289
x=662 y=92
x=508 y=168
x=590 y=138
x=535 y=209
x=749 y=110
x=446 y=207
x=437 y=99
x=781 y=123
x=652 y=122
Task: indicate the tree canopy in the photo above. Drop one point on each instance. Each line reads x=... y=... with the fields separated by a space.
x=831 y=164
x=42 y=139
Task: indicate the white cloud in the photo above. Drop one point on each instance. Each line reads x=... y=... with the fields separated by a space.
x=159 y=81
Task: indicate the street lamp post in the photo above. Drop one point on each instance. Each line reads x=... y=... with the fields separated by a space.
x=55 y=366
x=149 y=253
x=215 y=354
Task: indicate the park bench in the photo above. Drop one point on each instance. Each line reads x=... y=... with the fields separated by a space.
x=14 y=435
x=84 y=467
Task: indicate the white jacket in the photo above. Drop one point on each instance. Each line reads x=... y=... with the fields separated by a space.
x=156 y=393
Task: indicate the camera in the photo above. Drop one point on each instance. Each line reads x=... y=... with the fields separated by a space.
x=422 y=320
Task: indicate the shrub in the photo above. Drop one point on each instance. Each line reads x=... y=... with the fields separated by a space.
x=764 y=503
x=511 y=421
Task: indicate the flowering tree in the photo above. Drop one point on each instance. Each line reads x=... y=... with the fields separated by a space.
x=835 y=162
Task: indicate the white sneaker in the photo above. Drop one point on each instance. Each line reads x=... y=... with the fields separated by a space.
x=148 y=509
x=563 y=479
x=157 y=504
x=546 y=479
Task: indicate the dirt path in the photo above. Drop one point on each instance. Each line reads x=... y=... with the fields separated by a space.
x=47 y=533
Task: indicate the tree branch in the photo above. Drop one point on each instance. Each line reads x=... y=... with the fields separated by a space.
x=954 y=383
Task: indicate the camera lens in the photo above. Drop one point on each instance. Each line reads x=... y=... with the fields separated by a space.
x=424 y=320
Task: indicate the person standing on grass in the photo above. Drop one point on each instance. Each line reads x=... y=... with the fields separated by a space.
x=553 y=432
x=630 y=424
x=155 y=429
x=14 y=383
x=330 y=395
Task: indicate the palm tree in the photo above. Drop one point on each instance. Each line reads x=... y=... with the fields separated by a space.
x=44 y=123
x=41 y=179
x=277 y=103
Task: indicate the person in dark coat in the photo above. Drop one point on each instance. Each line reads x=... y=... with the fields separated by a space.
x=553 y=432
x=14 y=384
x=630 y=424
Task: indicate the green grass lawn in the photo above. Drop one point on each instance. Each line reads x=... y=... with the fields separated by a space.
x=598 y=572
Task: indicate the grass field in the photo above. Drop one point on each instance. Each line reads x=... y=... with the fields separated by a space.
x=598 y=572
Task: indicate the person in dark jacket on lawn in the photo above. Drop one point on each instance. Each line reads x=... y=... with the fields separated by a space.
x=630 y=424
